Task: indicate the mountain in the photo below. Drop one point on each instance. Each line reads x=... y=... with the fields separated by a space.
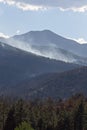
x=51 y=39
x=17 y=65
x=26 y=71
x=48 y=44
x=54 y=85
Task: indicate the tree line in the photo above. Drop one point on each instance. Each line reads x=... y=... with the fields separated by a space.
x=18 y=114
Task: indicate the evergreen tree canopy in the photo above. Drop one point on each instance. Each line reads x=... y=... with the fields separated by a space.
x=24 y=126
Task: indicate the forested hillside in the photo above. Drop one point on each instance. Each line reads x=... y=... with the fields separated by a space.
x=55 y=85
x=70 y=114
x=17 y=65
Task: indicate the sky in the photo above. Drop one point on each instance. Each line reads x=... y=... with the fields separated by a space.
x=67 y=18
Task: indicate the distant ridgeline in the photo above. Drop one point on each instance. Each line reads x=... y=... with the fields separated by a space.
x=55 y=85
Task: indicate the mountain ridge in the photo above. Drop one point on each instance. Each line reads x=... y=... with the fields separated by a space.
x=17 y=65
x=56 y=85
x=49 y=44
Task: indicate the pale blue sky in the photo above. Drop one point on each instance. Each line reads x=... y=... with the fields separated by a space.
x=70 y=23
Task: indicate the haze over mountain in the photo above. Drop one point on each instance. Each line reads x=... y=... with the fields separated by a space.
x=22 y=61
x=17 y=65
x=49 y=38
x=48 y=44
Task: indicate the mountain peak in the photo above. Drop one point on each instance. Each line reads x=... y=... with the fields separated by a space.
x=48 y=39
x=40 y=32
x=45 y=30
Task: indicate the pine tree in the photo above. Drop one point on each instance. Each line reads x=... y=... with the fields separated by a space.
x=24 y=126
x=20 y=113
x=10 y=121
x=78 y=118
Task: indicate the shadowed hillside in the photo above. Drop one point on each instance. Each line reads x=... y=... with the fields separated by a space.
x=55 y=85
x=17 y=65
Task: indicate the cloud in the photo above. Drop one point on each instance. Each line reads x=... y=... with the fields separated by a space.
x=23 y=5
x=65 y=5
x=81 y=40
x=3 y=35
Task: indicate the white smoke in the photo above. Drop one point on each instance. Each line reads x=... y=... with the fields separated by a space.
x=49 y=51
x=21 y=45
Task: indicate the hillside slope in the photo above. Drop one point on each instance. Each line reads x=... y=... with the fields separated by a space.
x=55 y=85
x=50 y=45
x=17 y=65
x=49 y=38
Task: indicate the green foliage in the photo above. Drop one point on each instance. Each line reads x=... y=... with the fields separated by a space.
x=10 y=121
x=24 y=126
x=20 y=114
x=78 y=117
x=70 y=114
